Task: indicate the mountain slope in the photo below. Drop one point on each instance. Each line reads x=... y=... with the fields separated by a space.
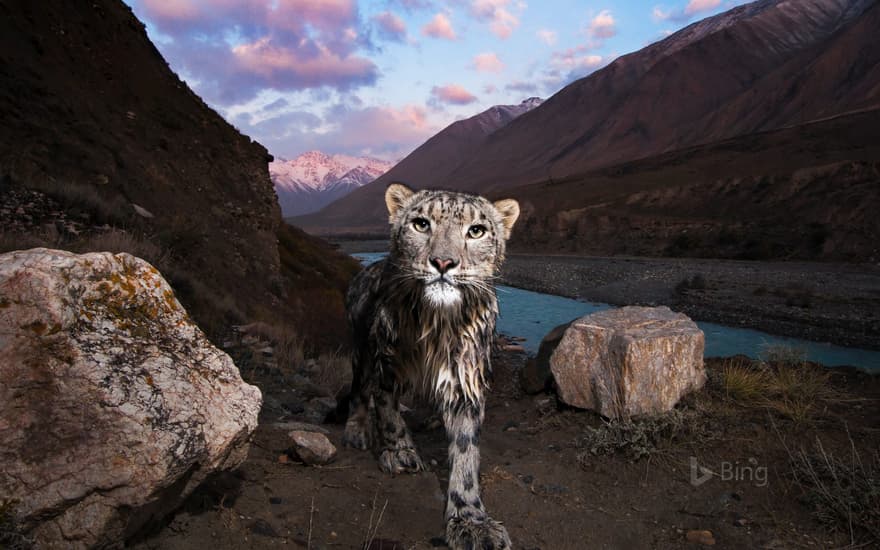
x=315 y=179
x=758 y=67
x=94 y=119
x=427 y=166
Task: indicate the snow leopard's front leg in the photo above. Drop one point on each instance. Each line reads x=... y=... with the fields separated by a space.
x=467 y=523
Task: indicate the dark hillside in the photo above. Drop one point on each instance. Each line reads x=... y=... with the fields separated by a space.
x=95 y=122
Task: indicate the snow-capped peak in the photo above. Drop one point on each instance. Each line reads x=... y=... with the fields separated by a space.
x=314 y=179
x=318 y=171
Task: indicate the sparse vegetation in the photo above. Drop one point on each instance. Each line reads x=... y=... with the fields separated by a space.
x=637 y=438
x=843 y=492
x=783 y=382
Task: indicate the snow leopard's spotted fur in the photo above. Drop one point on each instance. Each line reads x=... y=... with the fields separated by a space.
x=424 y=318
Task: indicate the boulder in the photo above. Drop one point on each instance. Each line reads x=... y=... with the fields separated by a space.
x=113 y=404
x=630 y=361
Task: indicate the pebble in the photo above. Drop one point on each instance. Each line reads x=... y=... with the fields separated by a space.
x=703 y=537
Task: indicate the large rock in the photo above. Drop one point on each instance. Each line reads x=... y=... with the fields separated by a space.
x=630 y=361
x=113 y=404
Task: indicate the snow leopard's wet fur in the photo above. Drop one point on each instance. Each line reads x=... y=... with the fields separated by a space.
x=424 y=318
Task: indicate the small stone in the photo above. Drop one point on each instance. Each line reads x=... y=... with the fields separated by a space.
x=312 y=447
x=701 y=537
x=517 y=348
x=283 y=459
x=141 y=211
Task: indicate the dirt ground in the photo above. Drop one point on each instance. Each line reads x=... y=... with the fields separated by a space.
x=542 y=480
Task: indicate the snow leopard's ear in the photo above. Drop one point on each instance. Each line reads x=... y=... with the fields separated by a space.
x=509 y=210
x=395 y=197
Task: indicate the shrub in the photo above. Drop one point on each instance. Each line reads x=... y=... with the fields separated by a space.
x=843 y=492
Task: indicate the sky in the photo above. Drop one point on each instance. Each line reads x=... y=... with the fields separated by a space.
x=379 y=77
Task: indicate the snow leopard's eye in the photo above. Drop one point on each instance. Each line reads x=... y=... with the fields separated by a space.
x=476 y=231
x=421 y=225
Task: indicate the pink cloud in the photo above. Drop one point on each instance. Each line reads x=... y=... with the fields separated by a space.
x=171 y=10
x=502 y=22
x=577 y=60
x=602 y=26
x=452 y=94
x=282 y=67
x=547 y=36
x=696 y=6
x=488 y=63
x=391 y=26
x=281 y=44
x=439 y=27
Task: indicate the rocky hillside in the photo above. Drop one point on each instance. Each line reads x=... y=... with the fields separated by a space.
x=315 y=179
x=760 y=67
x=427 y=166
x=103 y=147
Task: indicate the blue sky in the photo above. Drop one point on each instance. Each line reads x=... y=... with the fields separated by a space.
x=379 y=77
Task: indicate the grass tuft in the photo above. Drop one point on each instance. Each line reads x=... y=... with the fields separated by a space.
x=844 y=492
x=637 y=438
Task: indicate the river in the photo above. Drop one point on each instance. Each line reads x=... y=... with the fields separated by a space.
x=531 y=315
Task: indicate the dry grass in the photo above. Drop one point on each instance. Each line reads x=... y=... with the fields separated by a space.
x=844 y=492
x=783 y=382
x=638 y=438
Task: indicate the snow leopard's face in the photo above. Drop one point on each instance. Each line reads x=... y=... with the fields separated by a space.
x=448 y=241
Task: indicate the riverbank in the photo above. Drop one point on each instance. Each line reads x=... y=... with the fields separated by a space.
x=822 y=302
x=837 y=303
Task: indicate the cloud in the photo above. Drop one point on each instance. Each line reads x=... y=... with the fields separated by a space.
x=692 y=8
x=282 y=67
x=380 y=131
x=696 y=6
x=412 y=5
x=452 y=94
x=229 y=50
x=439 y=27
x=391 y=27
x=490 y=89
x=547 y=36
x=573 y=63
x=522 y=86
x=488 y=63
x=497 y=13
x=602 y=26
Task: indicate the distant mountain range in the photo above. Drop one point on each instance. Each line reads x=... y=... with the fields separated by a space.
x=426 y=166
x=757 y=68
x=315 y=179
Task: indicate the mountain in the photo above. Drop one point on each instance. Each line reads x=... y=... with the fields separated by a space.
x=315 y=179
x=759 y=67
x=424 y=167
x=103 y=147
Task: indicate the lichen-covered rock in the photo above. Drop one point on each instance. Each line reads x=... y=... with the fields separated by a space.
x=113 y=404
x=630 y=361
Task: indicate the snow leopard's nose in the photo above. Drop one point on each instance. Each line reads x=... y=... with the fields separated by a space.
x=443 y=265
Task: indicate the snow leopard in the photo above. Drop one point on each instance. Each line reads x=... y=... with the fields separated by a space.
x=424 y=319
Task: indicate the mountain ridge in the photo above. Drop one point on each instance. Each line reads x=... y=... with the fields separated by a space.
x=701 y=85
x=314 y=179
